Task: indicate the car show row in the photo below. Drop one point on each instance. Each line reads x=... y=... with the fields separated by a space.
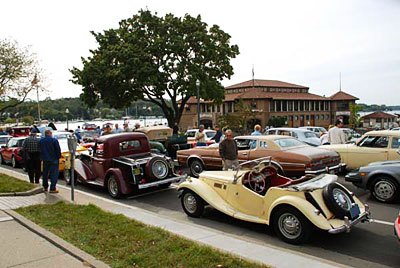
x=281 y=181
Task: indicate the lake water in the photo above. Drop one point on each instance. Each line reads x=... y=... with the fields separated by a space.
x=143 y=122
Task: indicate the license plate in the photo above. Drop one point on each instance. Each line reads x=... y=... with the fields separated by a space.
x=136 y=172
x=354 y=211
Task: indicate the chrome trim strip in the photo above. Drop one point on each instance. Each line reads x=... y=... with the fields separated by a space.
x=365 y=216
x=292 y=164
x=327 y=169
x=151 y=184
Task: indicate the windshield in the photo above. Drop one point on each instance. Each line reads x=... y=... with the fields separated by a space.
x=310 y=135
x=191 y=134
x=210 y=134
x=61 y=136
x=287 y=143
x=3 y=140
x=321 y=129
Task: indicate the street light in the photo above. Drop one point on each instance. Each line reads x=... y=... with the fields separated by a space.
x=198 y=102
x=67 y=112
x=34 y=83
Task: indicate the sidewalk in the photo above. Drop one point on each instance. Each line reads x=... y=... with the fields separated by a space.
x=270 y=255
x=22 y=248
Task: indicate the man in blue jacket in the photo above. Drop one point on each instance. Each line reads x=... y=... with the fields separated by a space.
x=50 y=153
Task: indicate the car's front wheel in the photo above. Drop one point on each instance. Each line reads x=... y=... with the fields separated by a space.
x=196 y=167
x=291 y=225
x=192 y=204
x=385 y=189
x=113 y=187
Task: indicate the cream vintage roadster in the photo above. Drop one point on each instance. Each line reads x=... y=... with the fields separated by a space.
x=255 y=192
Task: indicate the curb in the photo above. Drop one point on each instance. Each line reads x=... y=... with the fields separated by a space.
x=87 y=259
x=36 y=190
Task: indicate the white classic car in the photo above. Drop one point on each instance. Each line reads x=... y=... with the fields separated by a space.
x=257 y=193
x=373 y=146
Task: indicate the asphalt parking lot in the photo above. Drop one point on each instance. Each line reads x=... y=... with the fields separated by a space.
x=367 y=245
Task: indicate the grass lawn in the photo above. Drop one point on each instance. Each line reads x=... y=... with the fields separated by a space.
x=10 y=185
x=123 y=242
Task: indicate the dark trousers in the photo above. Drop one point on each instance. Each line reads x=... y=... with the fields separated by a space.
x=50 y=171
x=32 y=164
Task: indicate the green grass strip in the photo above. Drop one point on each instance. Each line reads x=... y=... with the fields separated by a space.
x=10 y=185
x=123 y=242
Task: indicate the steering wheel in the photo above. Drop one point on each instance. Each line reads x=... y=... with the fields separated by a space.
x=256 y=181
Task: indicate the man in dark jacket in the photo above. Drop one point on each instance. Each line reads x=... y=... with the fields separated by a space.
x=50 y=153
x=218 y=135
x=30 y=147
x=228 y=151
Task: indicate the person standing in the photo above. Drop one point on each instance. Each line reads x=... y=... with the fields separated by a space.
x=98 y=130
x=336 y=135
x=257 y=131
x=30 y=147
x=218 y=135
x=228 y=151
x=117 y=129
x=175 y=129
x=50 y=153
x=126 y=128
x=200 y=136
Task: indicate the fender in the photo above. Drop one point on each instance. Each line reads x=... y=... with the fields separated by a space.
x=194 y=156
x=125 y=187
x=278 y=165
x=304 y=207
x=211 y=197
x=388 y=173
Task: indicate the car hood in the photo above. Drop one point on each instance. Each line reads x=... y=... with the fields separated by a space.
x=312 y=141
x=313 y=152
x=383 y=163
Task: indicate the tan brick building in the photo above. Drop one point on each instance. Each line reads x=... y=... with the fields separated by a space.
x=271 y=98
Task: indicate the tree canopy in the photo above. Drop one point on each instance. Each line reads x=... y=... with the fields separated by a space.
x=19 y=74
x=157 y=59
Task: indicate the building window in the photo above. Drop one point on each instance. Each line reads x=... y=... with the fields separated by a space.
x=218 y=108
x=290 y=107
x=254 y=105
x=272 y=89
x=284 y=90
x=296 y=118
x=187 y=108
x=290 y=118
x=296 y=105
x=317 y=117
x=301 y=117
x=290 y=90
x=307 y=117
x=279 y=89
x=327 y=116
x=230 y=107
x=278 y=106
x=208 y=108
x=322 y=117
x=301 y=105
x=240 y=90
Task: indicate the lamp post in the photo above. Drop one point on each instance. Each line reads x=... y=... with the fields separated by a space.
x=198 y=102
x=34 y=83
x=67 y=112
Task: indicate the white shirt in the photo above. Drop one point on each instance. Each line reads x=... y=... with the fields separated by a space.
x=324 y=139
x=336 y=136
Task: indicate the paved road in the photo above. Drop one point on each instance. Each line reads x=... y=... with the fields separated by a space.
x=367 y=245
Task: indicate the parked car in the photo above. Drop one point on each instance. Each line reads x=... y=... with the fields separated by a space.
x=4 y=139
x=306 y=136
x=89 y=126
x=65 y=160
x=373 y=146
x=319 y=130
x=290 y=157
x=382 y=179
x=190 y=133
x=11 y=152
x=397 y=227
x=20 y=131
x=351 y=135
x=259 y=194
x=88 y=135
x=163 y=141
x=123 y=163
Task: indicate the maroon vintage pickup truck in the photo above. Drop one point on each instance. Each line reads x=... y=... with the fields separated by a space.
x=123 y=163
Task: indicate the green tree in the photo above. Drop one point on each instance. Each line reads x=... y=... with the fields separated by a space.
x=239 y=121
x=277 y=121
x=19 y=74
x=155 y=59
x=28 y=120
x=355 y=118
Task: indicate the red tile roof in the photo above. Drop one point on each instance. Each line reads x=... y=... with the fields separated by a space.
x=379 y=115
x=341 y=95
x=256 y=93
x=265 y=83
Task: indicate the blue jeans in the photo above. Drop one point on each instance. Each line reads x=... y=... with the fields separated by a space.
x=50 y=171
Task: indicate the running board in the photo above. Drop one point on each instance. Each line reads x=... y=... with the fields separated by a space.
x=156 y=183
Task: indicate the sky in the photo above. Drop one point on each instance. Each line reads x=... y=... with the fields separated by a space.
x=303 y=42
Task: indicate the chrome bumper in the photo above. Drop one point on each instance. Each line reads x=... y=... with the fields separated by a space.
x=156 y=183
x=336 y=169
x=346 y=227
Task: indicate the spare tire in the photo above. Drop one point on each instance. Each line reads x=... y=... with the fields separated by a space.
x=338 y=200
x=157 y=168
